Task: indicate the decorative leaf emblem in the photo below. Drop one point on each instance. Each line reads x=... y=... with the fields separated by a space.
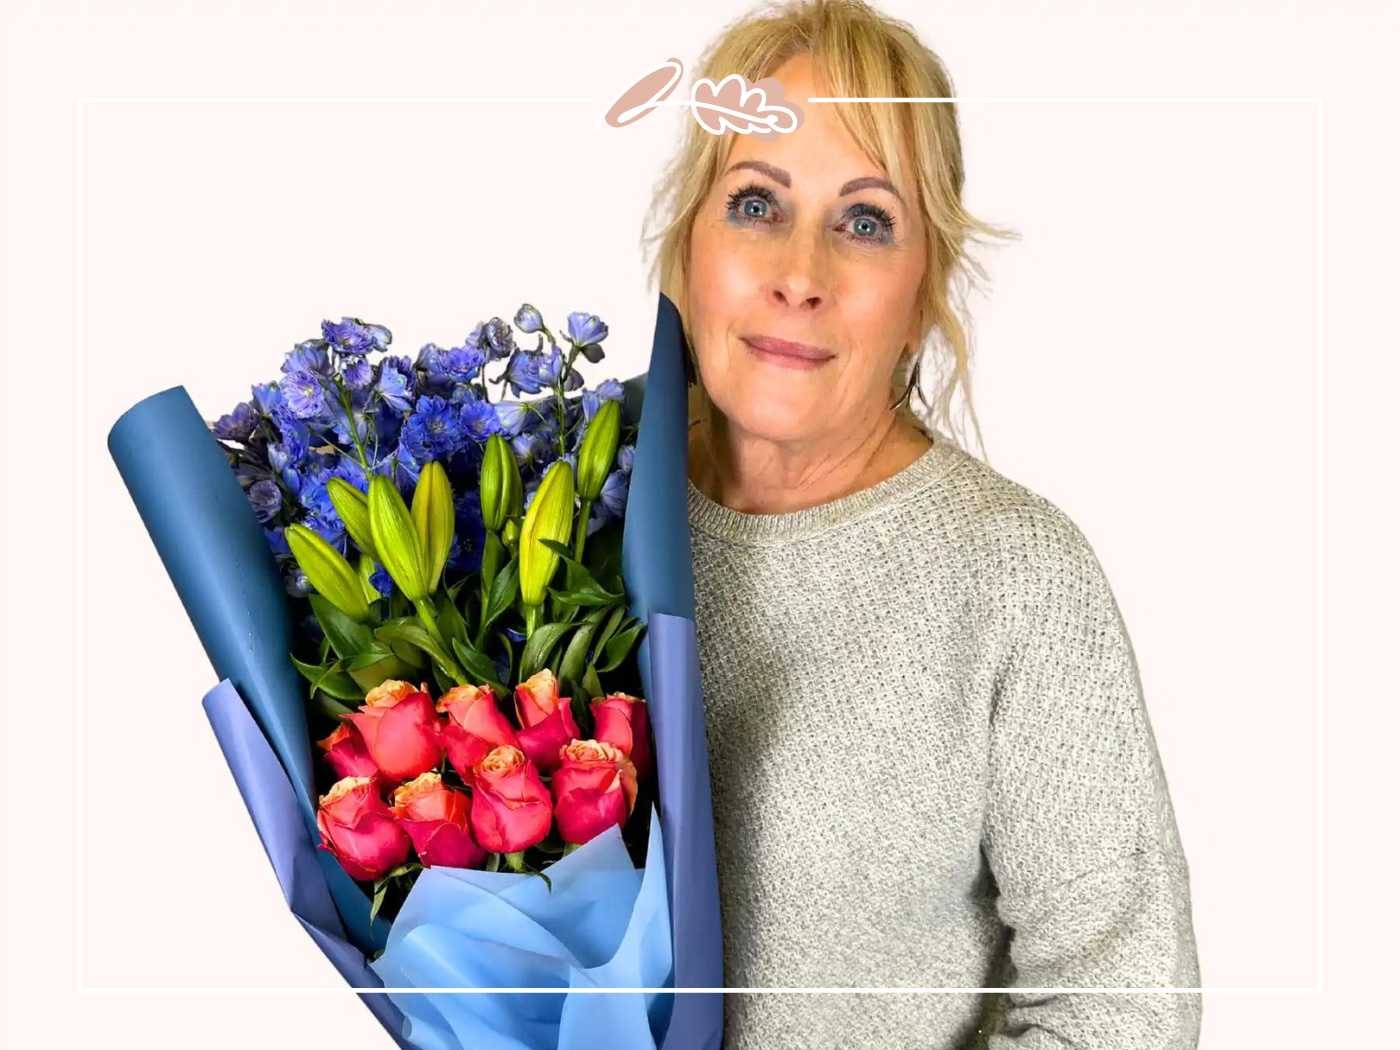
x=732 y=104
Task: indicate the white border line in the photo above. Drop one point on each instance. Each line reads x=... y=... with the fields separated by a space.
x=79 y=474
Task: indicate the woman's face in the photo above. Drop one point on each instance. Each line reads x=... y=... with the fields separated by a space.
x=797 y=241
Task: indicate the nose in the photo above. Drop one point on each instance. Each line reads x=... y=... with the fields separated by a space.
x=797 y=280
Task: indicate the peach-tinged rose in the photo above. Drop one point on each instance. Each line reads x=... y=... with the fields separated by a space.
x=437 y=819
x=547 y=719
x=621 y=719
x=346 y=752
x=474 y=726
x=594 y=788
x=401 y=730
x=511 y=807
x=390 y=691
x=357 y=827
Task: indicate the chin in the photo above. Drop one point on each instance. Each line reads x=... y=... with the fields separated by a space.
x=779 y=422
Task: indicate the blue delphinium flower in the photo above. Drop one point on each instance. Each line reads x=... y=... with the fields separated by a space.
x=499 y=339
x=395 y=384
x=528 y=319
x=237 y=425
x=308 y=356
x=359 y=374
x=510 y=417
x=530 y=371
x=266 y=499
x=446 y=368
x=381 y=582
x=293 y=436
x=479 y=418
x=433 y=431
x=584 y=328
x=277 y=540
x=304 y=395
x=353 y=337
x=268 y=398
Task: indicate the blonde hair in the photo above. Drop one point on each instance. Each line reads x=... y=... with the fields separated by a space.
x=859 y=53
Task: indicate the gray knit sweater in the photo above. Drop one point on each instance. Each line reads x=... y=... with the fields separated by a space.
x=932 y=766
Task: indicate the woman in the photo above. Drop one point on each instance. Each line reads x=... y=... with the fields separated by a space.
x=931 y=761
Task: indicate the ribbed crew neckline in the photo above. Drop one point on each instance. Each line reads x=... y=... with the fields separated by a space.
x=715 y=519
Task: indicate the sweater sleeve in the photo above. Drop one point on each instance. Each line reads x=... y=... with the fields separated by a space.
x=1079 y=831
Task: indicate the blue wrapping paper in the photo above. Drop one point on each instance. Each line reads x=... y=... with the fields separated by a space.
x=217 y=557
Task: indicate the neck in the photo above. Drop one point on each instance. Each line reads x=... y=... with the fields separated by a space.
x=756 y=475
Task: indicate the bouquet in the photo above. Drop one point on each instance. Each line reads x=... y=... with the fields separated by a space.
x=427 y=589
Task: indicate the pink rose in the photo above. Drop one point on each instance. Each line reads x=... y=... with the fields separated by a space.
x=400 y=729
x=594 y=788
x=357 y=827
x=547 y=721
x=510 y=805
x=474 y=726
x=437 y=820
x=621 y=719
x=346 y=752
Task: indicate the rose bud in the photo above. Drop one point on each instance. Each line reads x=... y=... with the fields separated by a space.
x=474 y=726
x=547 y=720
x=357 y=827
x=511 y=808
x=437 y=819
x=594 y=788
x=401 y=730
x=346 y=752
x=621 y=719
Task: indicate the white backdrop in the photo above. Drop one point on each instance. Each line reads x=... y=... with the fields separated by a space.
x=186 y=199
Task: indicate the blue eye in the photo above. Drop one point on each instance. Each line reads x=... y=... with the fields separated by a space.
x=750 y=205
x=764 y=198
x=867 y=213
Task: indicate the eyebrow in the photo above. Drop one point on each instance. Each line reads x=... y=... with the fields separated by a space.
x=780 y=176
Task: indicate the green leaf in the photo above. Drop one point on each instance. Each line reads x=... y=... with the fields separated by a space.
x=493 y=862
x=370 y=655
x=609 y=627
x=412 y=632
x=450 y=620
x=590 y=682
x=617 y=648
x=345 y=635
x=378 y=900
x=588 y=593
x=330 y=679
x=571 y=666
x=476 y=663
x=548 y=885
x=582 y=580
x=539 y=645
x=510 y=649
x=503 y=590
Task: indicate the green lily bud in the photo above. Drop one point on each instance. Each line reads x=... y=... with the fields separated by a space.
x=328 y=572
x=550 y=517
x=350 y=504
x=500 y=483
x=510 y=535
x=599 y=449
x=396 y=539
x=434 y=519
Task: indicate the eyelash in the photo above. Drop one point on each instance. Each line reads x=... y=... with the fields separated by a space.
x=873 y=211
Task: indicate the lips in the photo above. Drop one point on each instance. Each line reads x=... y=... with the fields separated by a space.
x=800 y=351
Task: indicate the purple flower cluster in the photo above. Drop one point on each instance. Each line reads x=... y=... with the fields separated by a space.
x=335 y=412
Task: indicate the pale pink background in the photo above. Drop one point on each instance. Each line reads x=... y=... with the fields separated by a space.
x=1147 y=357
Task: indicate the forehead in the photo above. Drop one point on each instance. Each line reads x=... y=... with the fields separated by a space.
x=820 y=156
